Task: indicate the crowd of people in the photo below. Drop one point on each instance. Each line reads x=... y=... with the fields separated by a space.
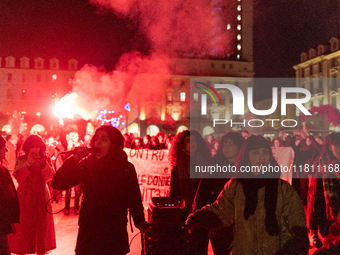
x=246 y=213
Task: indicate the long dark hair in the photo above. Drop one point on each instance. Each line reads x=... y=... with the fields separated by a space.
x=250 y=186
x=177 y=154
x=115 y=137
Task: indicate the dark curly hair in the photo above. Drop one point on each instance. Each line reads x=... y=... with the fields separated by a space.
x=177 y=154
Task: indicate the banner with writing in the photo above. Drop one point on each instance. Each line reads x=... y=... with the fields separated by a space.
x=153 y=172
x=285 y=157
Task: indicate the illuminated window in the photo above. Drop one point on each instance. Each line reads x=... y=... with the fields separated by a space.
x=238 y=46
x=238 y=17
x=195 y=97
x=238 y=56
x=238 y=37
x=228 y=26
x=54 y=77
x=169 y=96
x=238 y=27
x=182 y=95
x=9 y=77
x=239 y=7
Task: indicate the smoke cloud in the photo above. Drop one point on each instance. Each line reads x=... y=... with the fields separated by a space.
x=174 y=28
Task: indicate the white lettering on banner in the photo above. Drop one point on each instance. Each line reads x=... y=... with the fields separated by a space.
x=153 y=172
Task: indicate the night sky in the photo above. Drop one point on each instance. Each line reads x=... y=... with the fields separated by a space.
x=91 y=34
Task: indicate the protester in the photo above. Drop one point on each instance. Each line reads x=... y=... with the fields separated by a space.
x=267 y=213
x=188 y=149
x=209 y=141
x=137 y=143
x=110 y=189
x=35 y=233
x=72 y=143
x=210 y=188
x=9 y=203
x=309 y=151
x=324 y=191
x=146 y=142
x=161 y=138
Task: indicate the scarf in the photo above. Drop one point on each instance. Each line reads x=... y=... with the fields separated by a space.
x=250 y=188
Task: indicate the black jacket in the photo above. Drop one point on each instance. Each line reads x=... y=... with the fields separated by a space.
x=9 y=203
x=110 y=189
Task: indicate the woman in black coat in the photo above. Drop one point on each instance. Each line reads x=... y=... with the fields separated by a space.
x=9 y=203
x=210 y=188
x=110 y=189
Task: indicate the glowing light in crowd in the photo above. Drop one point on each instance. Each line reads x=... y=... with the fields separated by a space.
x=67 y=107
x=113 y=120
x=127 y=107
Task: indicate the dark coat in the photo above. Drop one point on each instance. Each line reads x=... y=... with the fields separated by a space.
x=210 y=188
x=9 y=203
x=110 y=189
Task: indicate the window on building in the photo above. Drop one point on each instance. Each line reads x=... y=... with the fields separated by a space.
x=9 y=77
x=212 y=65
x=230 y=66
x=239 y=37
x=239 y=7
x=320 y=84
x=228 y=27
x=238 y=56
x=195 y=97
x=223 y=66
x=238 y=17
x=39 y=78
x=239 y=47
x=23 y=94
x=54 y=65
x=39 y=64
x=333 y=100
x=238 y=27
x=182 y=96
x=169 y=97
x=320 y=101
x=9 y=94
x=54 y=78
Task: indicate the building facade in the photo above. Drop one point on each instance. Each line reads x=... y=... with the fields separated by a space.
x=232 y=20
x=318 y=72
x=28 y=88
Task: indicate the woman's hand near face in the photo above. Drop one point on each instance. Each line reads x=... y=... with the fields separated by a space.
x=81 y=152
